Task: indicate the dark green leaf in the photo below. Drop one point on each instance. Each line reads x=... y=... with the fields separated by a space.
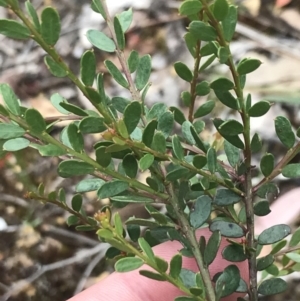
x=116 y=73
x=278 y=246
x=88 y=68
x=229 y=23
x=157 y=110
x=161 y=264
x=207 y=63
x=186 y=98
x=220 y=9
x=75 y=137
x=203 y=88
x=101 y=40
x=231 y=128
x=228 y=281
x=92 y=124
x=274 y=234
x=152 y=275
x=191 y=42
x=9 y=130
x=54 y=67
x=13 y=29
x=119 y=33
x=246 y=66
x=197 y=140
x=146 y=248
x=259 y=109
x=175 y=266
x=133 y=61
x=120 y=103
x=234 y=253
x=222 y=84
x=87 y=185
x=102 y=157
x=165 y=123
x=33 y=14
x=76 y=202
x=183 y=71
x=186 y=132
x=177 y=148
x=204 y=109
x=266 y=189
x=201 y=212
x=73 y=109
x=50 y=25
x=212 y=247
x=202 y=31
x=125 y=19
x=226 y=197
x=199 y=161
x=130 y=166
x=15 y=144
x=10 y=99
x=148 y=133
x=267 y=164
x=72 y=220
x=223 y=55
x=295 y=239
x=190 y=7
x=272 y=286
x=227 y=99
x=112 y=188
x=212 y=160
x=71 y=168
x=128 y=264
x=227 y=229
x=132 y=115
x=262 y=208
x=134 y=232
x=284 y=131
x=291 y=170
x=264 y=262
x=3 y=111
x=98 y=8
x=256 y=143
x=232 y=153
x=159 y=142
x=146 y=161
x=178 y=173
x=143 y=72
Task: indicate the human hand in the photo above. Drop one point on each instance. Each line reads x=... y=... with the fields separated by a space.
x=131 y=286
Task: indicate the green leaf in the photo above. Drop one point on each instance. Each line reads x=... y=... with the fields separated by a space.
x=35 y=120
x=204 y=109
x=146 y=161
x=231 y=128
x=199 y=126
x=295 y=239
x=264 y=262
x=152 y=275
x=132 y=115
x=226 y=197
x=294 y=256
x=232 y=153
x=190 y=7
x=3 y=111
x=15 y=144
x=143 y=72
x=76 y=202
x=284 y=131
x=98 y=8
x=188 y=278
x=112 y=188
x=272 y=286
x=146 y=249
x=87 y=185
x=267 y=164
x=10 y=98
x=165 y=123
x=212 y=160
x=118 y=224
x=54 y=68
x=91 y=124
x=178 y=173
x=126 y=19
x=186 y=98
x=148 y=133
x=75 y=137
x=259 y=109
x=191 y=42
x=256 y=143
x=197 y=139
x=156 y=111
x=186 y=132
x=229 y=23
x=50 y=25
x=9 y=130
x=73 y=109
x=228 y=281
x=49 y=150
x=220 y=9
x=116 y=73
x=88 y=68
x=227 y=229
x=102 y=157
x=249 y=65
x=274 y=234
x=201 y=212
x=159 y=142
x=119 y=33
x=212 y=247
x=223 y=55
x=128 y=264
x=278 y=246
x=266 y=189
x=72 y=220
x=33 y=14
x=261 y=208
x=291 y=170
x=56 y=99
x=199 y=161
x=134 y=232
x=183 y=71
x=14 y=29
x=202 y=31
x=133 y=61
x=100 y=40
x=177 y=148
x=203 y=88
x=131 y=199
x=120 y=103
x=234 y=253
x=69 y=168
x=222 y=84
x=161 y=264
x=130 y=166
x=175 y=266
x=227 y=99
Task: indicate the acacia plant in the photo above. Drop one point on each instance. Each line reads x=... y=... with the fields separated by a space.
x=185 y=172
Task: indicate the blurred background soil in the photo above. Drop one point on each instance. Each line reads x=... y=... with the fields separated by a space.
x=40 y=257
